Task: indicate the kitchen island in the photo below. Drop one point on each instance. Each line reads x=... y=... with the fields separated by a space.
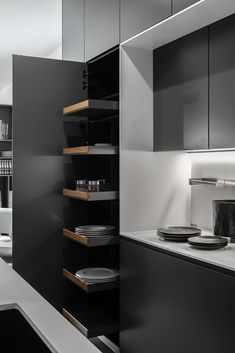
x=52 y=328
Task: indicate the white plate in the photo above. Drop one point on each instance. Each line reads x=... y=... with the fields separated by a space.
x=102 y=144
x=97 y=273
x=95 y=228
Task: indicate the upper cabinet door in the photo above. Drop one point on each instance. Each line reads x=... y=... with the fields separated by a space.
x=181 y=93
x=138 y=15
x=222 y=84
x=101 y=26
x=73 y=30
x=178 y=5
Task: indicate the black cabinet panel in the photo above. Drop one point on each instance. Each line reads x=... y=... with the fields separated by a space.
x=101 y=26
x=178 y=5
x=171 y=305
x=181 y=93
x=222 y=84
x=41 y=88
x=137 y=15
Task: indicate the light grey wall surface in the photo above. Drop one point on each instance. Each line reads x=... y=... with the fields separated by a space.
x=210 y=165
x=73 y=30
x=154 y=186
x=101 y=26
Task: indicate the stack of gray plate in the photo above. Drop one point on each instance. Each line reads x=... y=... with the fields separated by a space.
x=94 y=231
x=97 y=274
x=208 y=242
x=179 y=234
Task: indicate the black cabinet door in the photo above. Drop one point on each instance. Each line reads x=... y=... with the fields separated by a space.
x=101 y=26
x=222 y=84
x=171 y=305
x=137 y=15
x=178 y=5
x=181 y=93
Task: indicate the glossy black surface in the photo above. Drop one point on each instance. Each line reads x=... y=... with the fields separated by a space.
x=181 y=93
x=41 y=88
x=171 y=305
x=222 y=83
x=17 y=335
x=178 y=5
x=224 y=217
x=138 y=15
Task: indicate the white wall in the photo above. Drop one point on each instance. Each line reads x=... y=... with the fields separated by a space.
x=154 y=186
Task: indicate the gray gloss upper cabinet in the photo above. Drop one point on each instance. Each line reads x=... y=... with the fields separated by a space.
x=181 y=93
x=222 y=84
x=73 y=30
x=178 y=5
x=101 y=26
x=138 y=15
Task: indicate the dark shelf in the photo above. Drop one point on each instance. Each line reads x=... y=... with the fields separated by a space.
x=91 y=196
x=87 y=287
x=90 y=242
x=93 y=108
x=92 y=322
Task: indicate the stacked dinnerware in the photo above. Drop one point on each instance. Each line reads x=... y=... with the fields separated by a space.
x=178 y=234
x=97 y=274
x=208 y=242
x=94 y=231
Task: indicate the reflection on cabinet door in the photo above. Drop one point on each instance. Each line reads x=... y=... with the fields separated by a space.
x=138 y=15
x=101 y=26
x=222 y=84
x=178 y=5
x=181 y=94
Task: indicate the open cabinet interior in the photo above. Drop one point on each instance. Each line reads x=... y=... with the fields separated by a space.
x=91 y=153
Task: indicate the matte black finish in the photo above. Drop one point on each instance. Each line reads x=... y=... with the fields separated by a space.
x=222 y=83
x=181 y=93
x=101 y=26
x=138 y=15
x=178 y=5
x=17 y=335
x=73 y=33
x=171 y=305
x=41 y=88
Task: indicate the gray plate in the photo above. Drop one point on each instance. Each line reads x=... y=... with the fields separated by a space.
x=208 y=242
x=177 y=231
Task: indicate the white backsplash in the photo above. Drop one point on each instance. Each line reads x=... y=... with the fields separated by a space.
x=210 y=165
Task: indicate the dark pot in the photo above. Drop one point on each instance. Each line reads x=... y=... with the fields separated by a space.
x=224 y=218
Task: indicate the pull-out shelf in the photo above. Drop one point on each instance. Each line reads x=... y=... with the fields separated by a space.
x=91 y=322
x=86 y=150
x=91 y=196
x=93 y=108
x=88 y=287
x=90 y=242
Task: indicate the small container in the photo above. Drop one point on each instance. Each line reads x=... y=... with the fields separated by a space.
x=96 y=185
x=81 y=184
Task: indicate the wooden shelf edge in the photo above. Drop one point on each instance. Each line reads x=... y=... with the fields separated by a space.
x=90 y=332
x=91 y=196
x=89 y=288
x=76 y=107
x=70 y=151
x=90 y=242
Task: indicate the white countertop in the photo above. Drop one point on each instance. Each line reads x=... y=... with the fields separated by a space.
x=54 y=330
x=224 y=258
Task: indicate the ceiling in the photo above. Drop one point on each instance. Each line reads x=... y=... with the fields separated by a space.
x=28 y=27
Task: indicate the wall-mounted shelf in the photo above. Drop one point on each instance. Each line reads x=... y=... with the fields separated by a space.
x=92 y=322
x=88 y=287
x=219 y=183
x=93 y=108
x=90 y=242
x=91 y=196
x=90 y=150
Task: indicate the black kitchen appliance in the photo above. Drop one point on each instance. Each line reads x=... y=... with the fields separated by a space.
x=224 y=218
